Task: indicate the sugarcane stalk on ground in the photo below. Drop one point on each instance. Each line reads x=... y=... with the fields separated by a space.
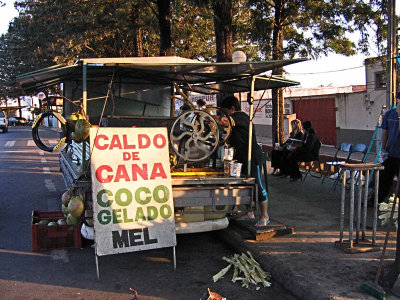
x=245 y=269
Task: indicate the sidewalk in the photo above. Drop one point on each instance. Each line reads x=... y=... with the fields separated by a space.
x=307 y=262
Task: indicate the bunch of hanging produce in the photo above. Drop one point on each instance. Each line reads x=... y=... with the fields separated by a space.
x=385 y=210
x=245 y=269
x=79 y=127
x=72 y=206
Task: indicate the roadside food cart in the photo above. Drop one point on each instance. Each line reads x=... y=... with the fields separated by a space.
x=141 y=92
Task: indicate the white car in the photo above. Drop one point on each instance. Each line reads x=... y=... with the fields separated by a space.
x=3 y=121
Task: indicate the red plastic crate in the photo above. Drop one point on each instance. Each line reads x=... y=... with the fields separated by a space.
x=54 y=237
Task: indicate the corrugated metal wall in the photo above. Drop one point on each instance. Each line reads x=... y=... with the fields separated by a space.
x=321 y=113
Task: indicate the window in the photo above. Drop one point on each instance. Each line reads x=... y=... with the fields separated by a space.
x=380 y=80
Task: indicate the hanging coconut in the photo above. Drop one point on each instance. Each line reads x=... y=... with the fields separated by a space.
x=72 y=119
x=76 y=206
x=82 y=130
x=64 y=209
x=65 y=197
x=71 y=220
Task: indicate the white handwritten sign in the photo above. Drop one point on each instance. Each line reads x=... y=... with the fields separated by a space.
x=132 y=194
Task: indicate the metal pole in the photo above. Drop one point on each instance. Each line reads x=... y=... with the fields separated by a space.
x=360 y=174
x=353 y=173
x=84 y=107
x=394 y=53
x=174 y=257
x=250 y=126
x=375 y=216
x=391 y=46
x=389 y=56
x=97 y=262
x=342 y=204
x=366 y=184
x=84 y=88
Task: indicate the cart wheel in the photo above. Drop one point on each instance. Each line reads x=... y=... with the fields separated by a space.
x=194 y=135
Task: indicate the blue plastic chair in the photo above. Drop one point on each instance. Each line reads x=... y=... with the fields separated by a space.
x=360 y=148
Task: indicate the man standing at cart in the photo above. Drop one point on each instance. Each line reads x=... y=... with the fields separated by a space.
x=239 y=140
x=390 y=149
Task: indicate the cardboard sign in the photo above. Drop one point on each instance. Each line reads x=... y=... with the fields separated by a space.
x=133 y=208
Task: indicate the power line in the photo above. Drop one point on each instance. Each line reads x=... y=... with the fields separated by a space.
x=315 y=73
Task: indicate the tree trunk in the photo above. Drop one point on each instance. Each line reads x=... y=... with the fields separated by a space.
x=223 y=29
x=137 y=31
x=278 y=129
x=164 y=12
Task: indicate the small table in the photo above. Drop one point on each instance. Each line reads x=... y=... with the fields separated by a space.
x=362 y=244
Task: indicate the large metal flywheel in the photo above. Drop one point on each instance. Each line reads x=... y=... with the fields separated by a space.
x=195 y=134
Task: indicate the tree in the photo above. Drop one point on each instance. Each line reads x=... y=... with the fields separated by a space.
x=15 y=59
x=193 y=31
x=223 y=29
x=164 y=23
x=307 y=28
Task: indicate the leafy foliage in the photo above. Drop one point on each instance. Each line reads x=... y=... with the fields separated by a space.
x=314 y=28
x=60 y=31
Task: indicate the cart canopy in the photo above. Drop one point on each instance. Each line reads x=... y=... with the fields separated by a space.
x=196 y=76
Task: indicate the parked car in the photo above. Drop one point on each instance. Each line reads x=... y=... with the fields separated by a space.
x=15 y=121
x=3 y=121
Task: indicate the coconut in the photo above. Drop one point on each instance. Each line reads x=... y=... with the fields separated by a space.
x=71 y=120
x=71 y=220
x=43 y=222
x=61 y=222
x=75 y=138
x=76 y=206
x=64 y=209
x=82 y=130
x=65 y=197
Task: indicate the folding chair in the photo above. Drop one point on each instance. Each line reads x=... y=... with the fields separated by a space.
x=357 y=148
x=344 y=149
x=360 y=148
x=311 y=165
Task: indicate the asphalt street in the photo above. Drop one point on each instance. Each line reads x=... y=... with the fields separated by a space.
x=30 y=179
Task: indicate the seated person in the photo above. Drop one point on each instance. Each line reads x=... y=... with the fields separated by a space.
x=280 y=154
x=308 y=151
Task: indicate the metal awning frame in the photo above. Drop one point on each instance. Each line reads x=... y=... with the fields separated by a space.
x=207 y=78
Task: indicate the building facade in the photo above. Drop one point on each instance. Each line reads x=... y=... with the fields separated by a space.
x=339 y=114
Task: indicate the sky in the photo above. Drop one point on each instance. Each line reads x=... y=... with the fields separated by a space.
x=333 y=70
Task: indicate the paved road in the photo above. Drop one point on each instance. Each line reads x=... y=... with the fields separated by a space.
x=30 y=180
